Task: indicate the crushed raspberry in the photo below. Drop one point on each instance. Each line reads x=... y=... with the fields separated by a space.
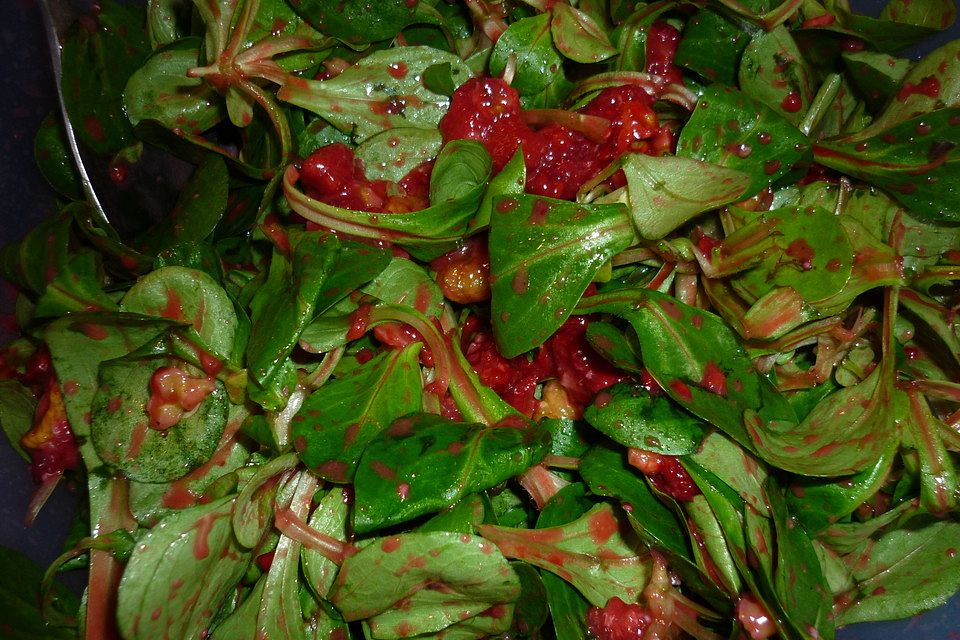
x=665 y=473
x=581 y=370
x=514 y=379
x=38 y=368
x=566 y=357
x=558 y=159
x=662 y=43
x=334 y=175
x=464 y=274
x=174 y=392
x=618 y=620
x=50 y=441
x=487 y=110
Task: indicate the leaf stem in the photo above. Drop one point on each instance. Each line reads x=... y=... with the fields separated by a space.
x=821 y=102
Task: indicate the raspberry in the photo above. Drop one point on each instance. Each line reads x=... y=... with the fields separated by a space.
x=665 y=473
x=618 y=620
x=662 y=43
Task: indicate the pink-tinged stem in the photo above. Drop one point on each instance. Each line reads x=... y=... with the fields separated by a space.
x=541 y=483
x=292 y=526
x=105 y=571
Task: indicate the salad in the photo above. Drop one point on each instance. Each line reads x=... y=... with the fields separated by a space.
x=516 y=319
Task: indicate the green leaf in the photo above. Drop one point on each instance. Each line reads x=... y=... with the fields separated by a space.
x=17 y=406
x=96 y=66
x=666 y=192
x=121 y=431
x=406 y=283
x=188 y=296
x=441 y=577
x=593 y=553
x=330 y=517
x=543 y=255
x=915 y=161
x=774 y=72
x=160 y=90
x=711 y=46
x=78 y=344
x=810 y=253
x=634 y=418
x=199 y=209
x=907 y=571
x=20 y=599
x=337 y=422
x=697 y=359
x=568 y=609
x=457 y=184
x=937 y=70
x=736 y=467
x=617 y=347
x=844 y=434
x=54 y=159
x=285 y=304
x=40 y=256
x=391 y=154
x=382 y=91
x=180 y=573
x=730 y=129
x=358 y=22
x=424 y=463
x=876 y=75
x=79 y=287
x=578 y=36
x=537 y=60
x=798 y=578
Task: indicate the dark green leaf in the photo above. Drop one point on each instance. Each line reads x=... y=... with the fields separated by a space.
x=358 y=22
x=424 y=463
x=53 y=158
x=543 y=254
x=634 y=418
x=17 y=406
x=96 y=66
x=537 y=60
x=730 y=129
x=711 y=46
x=336 y=422
x=20 y=600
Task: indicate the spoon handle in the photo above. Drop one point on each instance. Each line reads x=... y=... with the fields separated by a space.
x=51 y=11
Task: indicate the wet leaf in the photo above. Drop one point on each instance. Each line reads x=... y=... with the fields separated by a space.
x=53 y=158
x=424 y=463
x=915 y=161
x=391 y=154
x=330 y=517
x=712 y=46
x=467 y=573
x=20 y=597
x=382 y=91
x=578 y=36
x=730 y=129
x=774 y=72
x=160 y=90
x=337 y=421
x=543 y=254
x=160 y=593
x=632 y=417
x=593 y=553
x=529 y=41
